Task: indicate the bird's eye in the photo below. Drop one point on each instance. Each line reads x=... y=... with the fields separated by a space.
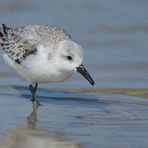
x=69 y=58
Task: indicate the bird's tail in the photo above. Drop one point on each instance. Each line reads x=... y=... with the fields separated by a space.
x=3 y=34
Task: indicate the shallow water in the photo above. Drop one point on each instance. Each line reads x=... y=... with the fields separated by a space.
x=111 y=114
x=91 y=119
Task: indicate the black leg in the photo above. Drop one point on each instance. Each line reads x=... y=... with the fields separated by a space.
x=36 y=86
x=33 y=90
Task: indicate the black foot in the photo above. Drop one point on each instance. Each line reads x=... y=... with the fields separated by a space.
x=33 y=91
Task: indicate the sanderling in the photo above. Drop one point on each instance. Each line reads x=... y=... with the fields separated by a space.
x=42 y=54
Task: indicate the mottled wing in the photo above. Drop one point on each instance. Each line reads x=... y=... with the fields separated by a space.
x=20 y=42
x=16 y=44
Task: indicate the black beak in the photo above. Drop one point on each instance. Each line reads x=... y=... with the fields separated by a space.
x=85 y=74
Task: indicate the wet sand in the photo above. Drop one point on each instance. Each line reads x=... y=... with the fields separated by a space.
x=28 y=138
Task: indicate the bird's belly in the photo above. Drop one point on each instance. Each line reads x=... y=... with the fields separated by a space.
x=43 y=77
x=42 y=74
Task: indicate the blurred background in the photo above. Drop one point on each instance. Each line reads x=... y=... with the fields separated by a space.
x=113 y=33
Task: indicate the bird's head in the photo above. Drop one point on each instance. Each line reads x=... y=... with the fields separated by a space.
x=70 y=58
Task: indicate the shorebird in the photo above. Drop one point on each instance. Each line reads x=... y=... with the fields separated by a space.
x=42 y=54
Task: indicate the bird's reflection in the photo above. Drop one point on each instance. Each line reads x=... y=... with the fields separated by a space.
x=32 y=118
x=32 y=136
